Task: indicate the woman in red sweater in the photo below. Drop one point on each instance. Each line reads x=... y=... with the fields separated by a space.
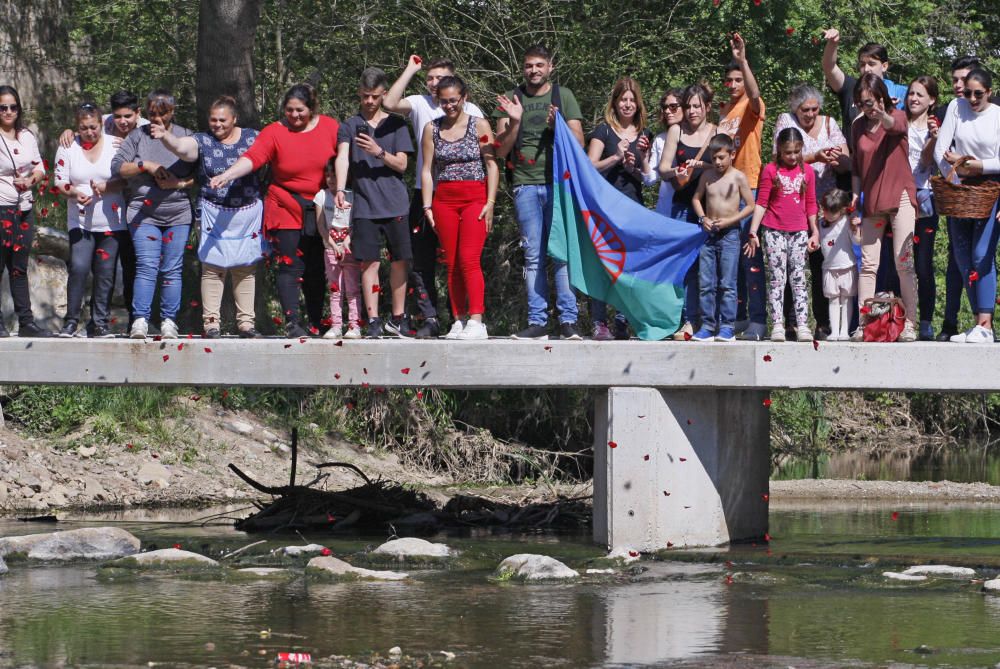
x=882 y=176
x=297 y=148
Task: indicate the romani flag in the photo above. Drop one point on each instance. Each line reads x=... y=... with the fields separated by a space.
x=617 y=250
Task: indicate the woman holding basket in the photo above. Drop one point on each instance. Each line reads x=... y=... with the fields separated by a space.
x=969 y=146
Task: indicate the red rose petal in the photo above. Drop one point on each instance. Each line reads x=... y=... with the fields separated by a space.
x=423 y=364
x=180 y=347
x=767 y=402
x=287 y=346
x=339 y=343
x=483 y=139
x=916 y=240
x=973 y=276
x=420 y=394
x=405 y=370
x=165 y=357
x=277 y=320
x=683 y=459
x=815 y=344
x=566 y=174
x=208 y=350
x=612 y=444
x=177 y=546
x=666 y=494
x=767 y=537
x=895 y=515
x=326 y=552
x=417 y=60
x=765 y=496
x=767 y=358
x=789 y=31
x=646 y=457
x=633 y=553
x=376 y=288
x=147 y=202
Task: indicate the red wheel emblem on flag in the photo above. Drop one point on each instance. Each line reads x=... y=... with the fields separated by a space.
x=608 y=246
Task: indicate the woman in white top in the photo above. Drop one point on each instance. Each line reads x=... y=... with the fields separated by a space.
x=20 y=169
x=922 y=132
x=971 y=127
x=671 y=113
x=95 y=218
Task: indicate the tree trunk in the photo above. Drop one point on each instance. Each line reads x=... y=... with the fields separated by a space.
x=226 y=30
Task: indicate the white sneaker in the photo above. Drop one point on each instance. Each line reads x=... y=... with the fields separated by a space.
x=353 y=332
x=803 y=334
x=979 y=335
x=140 y=328
x=474 y=330
x=168 y=329
x=778 y=332
x=333 y=333
x=456 y=329
x=961 y=336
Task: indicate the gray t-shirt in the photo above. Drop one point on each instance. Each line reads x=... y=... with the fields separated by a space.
x=379 y=190
x=148 y=202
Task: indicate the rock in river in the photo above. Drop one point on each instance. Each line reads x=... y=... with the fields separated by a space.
x=165 y=558
x=413 y=547
x=940 y=570
x=331 y=566
x=531 y=567
x=3 y=567
x=905 y=578
x=88 y=543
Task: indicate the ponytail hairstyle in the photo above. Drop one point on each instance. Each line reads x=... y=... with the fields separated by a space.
x=833 y=201
x=225 y=102
x=792 y=135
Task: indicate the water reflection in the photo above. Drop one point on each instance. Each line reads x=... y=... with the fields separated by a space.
x=931 y=463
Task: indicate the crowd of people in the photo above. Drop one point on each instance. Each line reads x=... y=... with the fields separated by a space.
x=803 y=229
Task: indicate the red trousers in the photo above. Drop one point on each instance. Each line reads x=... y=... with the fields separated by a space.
x=457 y=205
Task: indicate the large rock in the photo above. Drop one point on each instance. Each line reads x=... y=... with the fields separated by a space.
x=169 y=558
x=89 y=543
x=47 y=277
x=992 y=586
x=413 y=547
x=51 y=242
x=941 y=570
x=331 y=566
x=529 y=567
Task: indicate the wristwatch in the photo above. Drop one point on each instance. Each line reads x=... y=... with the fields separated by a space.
x=139 y=164
x=701 y=220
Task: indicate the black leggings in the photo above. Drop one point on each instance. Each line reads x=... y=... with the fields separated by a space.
x=16 y=235
x=300 y=261
x=97 y=253
x=423 y=246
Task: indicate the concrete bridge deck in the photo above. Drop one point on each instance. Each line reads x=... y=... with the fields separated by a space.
x=681 y=429
x=502 y=363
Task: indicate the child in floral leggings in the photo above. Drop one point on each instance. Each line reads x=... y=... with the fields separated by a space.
x=786 y=207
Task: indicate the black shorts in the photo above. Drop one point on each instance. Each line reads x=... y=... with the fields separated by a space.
x=367 y=235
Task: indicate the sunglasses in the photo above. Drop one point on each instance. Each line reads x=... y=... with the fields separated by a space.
x=9 y=108
x=979 y=95
x=87 y=106
x=866 y=104
x=670 y=106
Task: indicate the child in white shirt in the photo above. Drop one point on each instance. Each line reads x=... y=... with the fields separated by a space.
x=343 y=272
x=840 y=266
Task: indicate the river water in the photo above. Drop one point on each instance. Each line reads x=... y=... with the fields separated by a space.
x=813 y=597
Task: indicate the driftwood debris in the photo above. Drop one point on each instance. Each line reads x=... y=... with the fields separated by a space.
x=380 y=504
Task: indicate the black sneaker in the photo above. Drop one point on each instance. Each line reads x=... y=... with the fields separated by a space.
x=429 y=330
x=69 y=329
x=212 y=333
x=532 y=332
x=569 y=331
x=249 y=333
x=374 y=329
x=99 y=332
x=948 y=330
x=398 y=327
x=294 y=331
x=32 y=330
x=620 y=330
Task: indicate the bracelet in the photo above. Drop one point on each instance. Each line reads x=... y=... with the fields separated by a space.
x=428 y=206
x=341 y=190
x=491 y=202
x=381 y=154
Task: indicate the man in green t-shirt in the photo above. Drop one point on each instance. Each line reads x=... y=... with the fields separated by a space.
x=524 y=129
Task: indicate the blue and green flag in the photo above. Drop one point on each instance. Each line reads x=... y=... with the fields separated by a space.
x=617 y=250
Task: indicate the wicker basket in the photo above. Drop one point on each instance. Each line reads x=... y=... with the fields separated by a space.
x=964 y=200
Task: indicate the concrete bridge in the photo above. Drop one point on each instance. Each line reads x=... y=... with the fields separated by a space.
x=681 y=435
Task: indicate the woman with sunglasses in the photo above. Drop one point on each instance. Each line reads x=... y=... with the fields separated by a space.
x=20 y=169
x=825 y=150
x=671 y=114
x=95 y=218
x=972 y=128
x=881 y=175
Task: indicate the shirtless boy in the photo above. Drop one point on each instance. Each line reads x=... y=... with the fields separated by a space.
x=717 y=205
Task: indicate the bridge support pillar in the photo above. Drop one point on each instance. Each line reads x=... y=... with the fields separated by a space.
x=680 y=467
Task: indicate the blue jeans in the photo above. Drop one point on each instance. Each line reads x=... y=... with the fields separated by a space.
x=975 y=243
x=533 y=207
x=159 y=251
x=691 y=313
x=718 y=267
x=751 y=282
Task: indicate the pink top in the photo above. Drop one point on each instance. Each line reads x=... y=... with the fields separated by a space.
x=780 y=193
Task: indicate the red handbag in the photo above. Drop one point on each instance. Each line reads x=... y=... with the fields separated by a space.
x=885 y=318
